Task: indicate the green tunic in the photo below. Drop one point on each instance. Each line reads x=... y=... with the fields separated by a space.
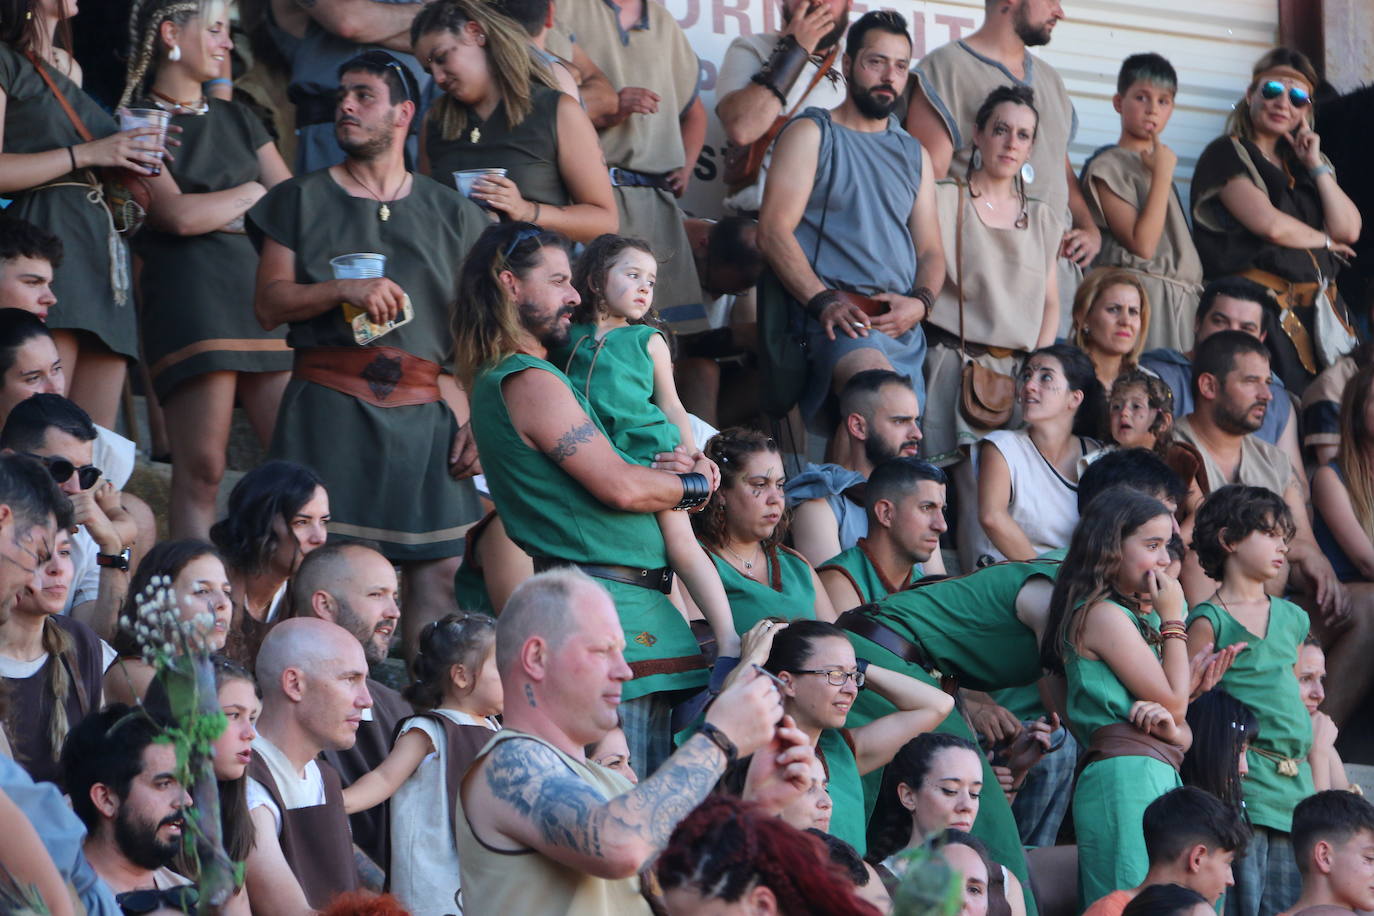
x=469 y=584
x=1111 y=795
x=87 y=298
x=196 y=292
x=386 y=468
x=858 y=567
x=528 y=152
x=616 y=375
x=847 y=817
x=549 y=514
x=790 y=591
x=1262 y=678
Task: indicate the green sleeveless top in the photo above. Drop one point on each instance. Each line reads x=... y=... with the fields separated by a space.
x=790 y=591
x=1096 y=697
x=847 y=817
x=545 y=510
x=1262 y=678
x=968 y=625
x=616 y=374
x=859 y=569
x=469 y=583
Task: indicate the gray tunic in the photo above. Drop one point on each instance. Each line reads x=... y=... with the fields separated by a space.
x=863 y=195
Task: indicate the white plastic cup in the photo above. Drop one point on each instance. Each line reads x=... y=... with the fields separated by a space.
x=365 y=265
x=465 y=179
x=130 y=118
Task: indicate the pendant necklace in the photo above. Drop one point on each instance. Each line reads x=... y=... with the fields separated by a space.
x=177 y=106
x=748 y=564
x=384 y=211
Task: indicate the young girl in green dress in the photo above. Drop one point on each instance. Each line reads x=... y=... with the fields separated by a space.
x=1241 y=539
x=620 y=360
x=1116 y=634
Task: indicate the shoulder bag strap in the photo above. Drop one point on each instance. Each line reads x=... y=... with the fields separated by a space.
x=959 y=266
x=820 y=73
x=79 y=124
x=825 y=126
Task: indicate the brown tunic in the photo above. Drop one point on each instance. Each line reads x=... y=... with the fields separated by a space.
x=31 y=699
x=315 y=841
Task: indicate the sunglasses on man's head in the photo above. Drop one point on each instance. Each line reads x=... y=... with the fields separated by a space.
x=61 y=470
x=1298 y=96
x=183 y=898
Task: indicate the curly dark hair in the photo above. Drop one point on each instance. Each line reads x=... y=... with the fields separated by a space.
x=1230 y=515
x=589 y=275
x=730 y=449
x=457 y=639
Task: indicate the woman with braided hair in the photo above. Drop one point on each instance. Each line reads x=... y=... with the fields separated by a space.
x=502 y=109
x=46 y=166
x=52 y=665
x=729 y=854
x=202 y=343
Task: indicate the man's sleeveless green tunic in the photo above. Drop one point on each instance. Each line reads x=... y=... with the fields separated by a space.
x=858 y=568
x=550 y=514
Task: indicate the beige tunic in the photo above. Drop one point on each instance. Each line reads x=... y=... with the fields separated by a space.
x=956 y=79
x=1261 y=464
x=520 y=881
x=746 y=56
x=1173 y=277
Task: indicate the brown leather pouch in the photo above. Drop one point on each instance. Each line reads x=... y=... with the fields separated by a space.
x=866 y=304
x=381 y=376
x=986 y=396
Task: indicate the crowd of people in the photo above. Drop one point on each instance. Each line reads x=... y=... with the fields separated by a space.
x=941 y=529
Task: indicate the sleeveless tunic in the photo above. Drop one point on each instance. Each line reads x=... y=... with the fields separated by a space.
x=789 y=592
x=524 y=881
x=1173 y=277
x=857 y=566
x=1262 y=678
x=549 y=514
x=315 y=840
x=197 y=291
x=848 y=817
x=88 y=296
x=1043 y=502
x=528 y=151
x=1112 y=794
x=616 y=375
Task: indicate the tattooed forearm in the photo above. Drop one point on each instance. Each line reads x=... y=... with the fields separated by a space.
x=569 y=441
x=569 y=813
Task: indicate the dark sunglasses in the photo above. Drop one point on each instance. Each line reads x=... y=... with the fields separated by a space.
x=182 y=898
x=60 y=469
x=1273 y=89
x=524 y=235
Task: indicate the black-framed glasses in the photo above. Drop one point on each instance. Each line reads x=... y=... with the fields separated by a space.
x=1272 y=89
x=60 y=469
x=183 y=898
x=836 y=677
x=524 y=235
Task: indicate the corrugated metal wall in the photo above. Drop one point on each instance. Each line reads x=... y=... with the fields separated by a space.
x=1212 y=43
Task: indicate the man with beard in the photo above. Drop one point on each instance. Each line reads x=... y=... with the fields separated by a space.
x=122 y=782
x=565 y=495
x=953 y=80
x=1231 y=396
x=314 y=693
x=906 y=514
x=770 y=75
x=396 y=481
x=852 y=235
x=29 y=502
x=354 y=586
x=879 y=421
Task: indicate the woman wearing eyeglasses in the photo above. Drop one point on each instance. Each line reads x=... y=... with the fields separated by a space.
x=1266 y=205
x=820 y=680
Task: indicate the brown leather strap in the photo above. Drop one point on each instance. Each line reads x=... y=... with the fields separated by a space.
x=657 y=580
x=1121 y=739
x=651 y=666
x=858 y=622
x=781 y=120
x=79 y=124
x=381 y=376
x=1290 y=296
x=959 y=266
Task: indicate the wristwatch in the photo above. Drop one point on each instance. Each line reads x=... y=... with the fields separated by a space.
x=119 y=561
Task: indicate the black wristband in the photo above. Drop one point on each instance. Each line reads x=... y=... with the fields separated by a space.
x=696 y=489
x=924 y=294
x=71 y=153
x=819 y=302
x=785 y=65
x=722 y=741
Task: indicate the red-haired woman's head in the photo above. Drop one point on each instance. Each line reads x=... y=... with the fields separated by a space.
x=729 y=850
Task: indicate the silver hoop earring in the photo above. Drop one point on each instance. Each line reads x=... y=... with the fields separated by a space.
x=1028 y=173
x=976 y=160
x=175 y=53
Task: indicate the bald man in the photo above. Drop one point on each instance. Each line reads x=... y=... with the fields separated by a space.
x=542 y=830
x=353 y=585
x=313 y=677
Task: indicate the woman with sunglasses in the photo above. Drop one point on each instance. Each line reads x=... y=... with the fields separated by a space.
x=1266 y=205
x=820 y=678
